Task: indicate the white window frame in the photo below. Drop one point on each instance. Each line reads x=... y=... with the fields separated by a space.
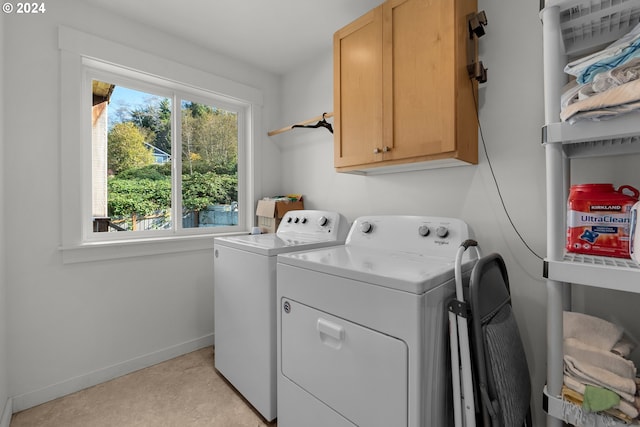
x=85 y=57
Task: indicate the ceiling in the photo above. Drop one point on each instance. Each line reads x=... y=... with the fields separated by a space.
x=275 y=35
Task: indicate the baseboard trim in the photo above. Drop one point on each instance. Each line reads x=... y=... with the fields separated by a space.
x=45 y=394
x=5 y=421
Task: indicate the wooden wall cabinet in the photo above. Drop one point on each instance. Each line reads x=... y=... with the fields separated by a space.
x=403 y=98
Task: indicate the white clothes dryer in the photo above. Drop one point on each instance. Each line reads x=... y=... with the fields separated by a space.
x=362 y=327
x=245 y=303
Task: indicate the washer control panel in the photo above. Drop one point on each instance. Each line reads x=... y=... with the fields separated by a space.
x=433 y=236
x=313 y=223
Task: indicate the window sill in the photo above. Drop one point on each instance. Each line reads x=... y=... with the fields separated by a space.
x=100 y=251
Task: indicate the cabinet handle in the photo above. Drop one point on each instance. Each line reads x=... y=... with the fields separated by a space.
x=386 y=149
x=376 y=150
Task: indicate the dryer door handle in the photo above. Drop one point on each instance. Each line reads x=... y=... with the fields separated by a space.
x=331 y=333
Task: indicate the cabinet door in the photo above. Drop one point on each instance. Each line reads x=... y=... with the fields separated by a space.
x=358 y=90
x=419 y=77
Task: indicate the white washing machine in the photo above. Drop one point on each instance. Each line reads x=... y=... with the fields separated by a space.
x=362 y=327
x=245 y=303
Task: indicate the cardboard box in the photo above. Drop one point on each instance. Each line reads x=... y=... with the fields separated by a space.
x=271 y=211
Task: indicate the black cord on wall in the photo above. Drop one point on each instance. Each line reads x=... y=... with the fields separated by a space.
x=504 y=207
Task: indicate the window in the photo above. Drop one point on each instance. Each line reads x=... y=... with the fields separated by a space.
x=156 y=157
x=156 y=167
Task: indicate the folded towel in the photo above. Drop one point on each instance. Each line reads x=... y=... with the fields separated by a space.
x=599 y=358
x=624 y=347
x=592 y=375
x=587 y=75
x=586 y=91
x=605 y=113
x=591 y=330
x=615 y=77
x=576 y=399
x=613 y=55
x=617 y=96
x=570 y=93
x=629 y=410
x=598 y=399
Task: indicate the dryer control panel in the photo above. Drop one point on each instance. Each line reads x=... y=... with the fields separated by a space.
x=432 y=236
x=311 y=223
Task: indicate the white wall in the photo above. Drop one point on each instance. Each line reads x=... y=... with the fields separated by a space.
x=4 y=380
x=511 y=115
x=77 y=324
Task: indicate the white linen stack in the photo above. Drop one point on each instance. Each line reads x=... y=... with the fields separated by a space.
x=607 y=82
x=595 y=354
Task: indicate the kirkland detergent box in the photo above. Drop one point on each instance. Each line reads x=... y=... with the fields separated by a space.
x=599 y=219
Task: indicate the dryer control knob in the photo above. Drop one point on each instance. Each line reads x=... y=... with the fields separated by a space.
x=289 y=219
x=297 y=220
x=366 y=227
x=423 y=230
x=322 y=221
x=304 y=220
x=442 y=231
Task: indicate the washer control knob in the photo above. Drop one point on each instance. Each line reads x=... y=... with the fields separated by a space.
x=322 y=221
x=366 y=227
x=304 y=220
x=442 y=231
x=297 y=220
x=289 y=219
x=423 y=230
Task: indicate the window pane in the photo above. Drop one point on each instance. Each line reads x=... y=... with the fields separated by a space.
x=209 y=166
x=131 y=159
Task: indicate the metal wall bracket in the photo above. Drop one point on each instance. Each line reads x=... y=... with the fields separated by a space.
x=475 y=23
x=477 y=71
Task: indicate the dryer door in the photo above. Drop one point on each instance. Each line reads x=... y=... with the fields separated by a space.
x=358 y=372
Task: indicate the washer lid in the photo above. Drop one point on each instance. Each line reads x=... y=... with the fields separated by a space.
x=404 y=271
x=272 y=244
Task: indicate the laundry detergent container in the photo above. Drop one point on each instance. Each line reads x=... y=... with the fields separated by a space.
x=599 y=219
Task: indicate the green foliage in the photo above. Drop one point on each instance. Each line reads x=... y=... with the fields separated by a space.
x=204 y=166
x=126 y=148
x=209 y=135
x=201 y=190
x=197 y=110
x=138 y=196
x=156 y=121
x=146 y=190
x=153 y=172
